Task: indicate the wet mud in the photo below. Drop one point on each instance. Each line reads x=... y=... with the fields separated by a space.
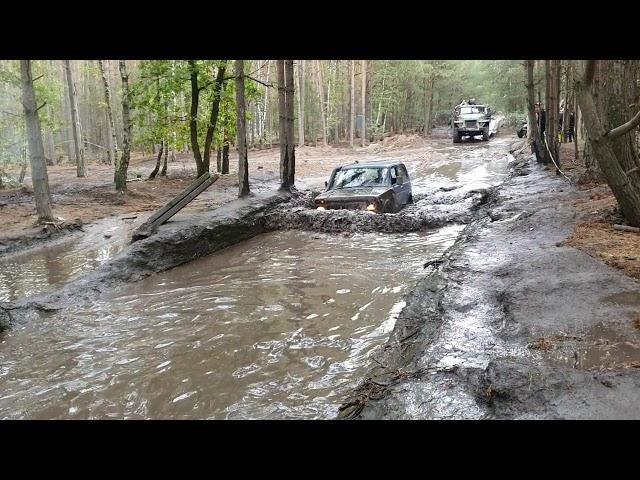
x=511 y=324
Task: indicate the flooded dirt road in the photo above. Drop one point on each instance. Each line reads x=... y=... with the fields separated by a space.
x=279 y=326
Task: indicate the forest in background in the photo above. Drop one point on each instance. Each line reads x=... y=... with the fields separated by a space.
x=79 y=112
x=399 y=96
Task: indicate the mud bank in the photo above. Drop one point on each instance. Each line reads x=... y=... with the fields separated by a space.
x=179 y=241
x=443 y=206
x=38 y=236
x=511 y=323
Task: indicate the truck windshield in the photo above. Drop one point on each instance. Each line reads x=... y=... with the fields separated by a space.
x=360 y=177
x=467 y=110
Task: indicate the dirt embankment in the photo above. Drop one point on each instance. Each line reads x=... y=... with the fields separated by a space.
x=512 y=322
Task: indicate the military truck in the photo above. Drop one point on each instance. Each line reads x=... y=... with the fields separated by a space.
x=471 y=120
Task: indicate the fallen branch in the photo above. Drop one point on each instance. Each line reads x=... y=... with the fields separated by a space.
x=626 y=228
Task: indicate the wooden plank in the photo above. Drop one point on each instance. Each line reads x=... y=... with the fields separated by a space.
x=184 y=201
x=167 y=206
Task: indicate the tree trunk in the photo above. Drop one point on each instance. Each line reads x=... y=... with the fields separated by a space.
x=123 y=165
x=111 y=129
x=320 y=88
x=289 y=108
x=81 y=166
x=301 y=102
x=625 y=185
x=225 y=155
x=534 y=132
x=215 y=109
x=352 y=110
x=193 y=119
x=163 y=172
x=241 y=122
x=363 y=132
x=282 y=132
x=155 y=171
x=39 y=176
x=219 y=160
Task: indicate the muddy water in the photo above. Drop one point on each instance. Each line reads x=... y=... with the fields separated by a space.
x=34 y=272
x=276 y=327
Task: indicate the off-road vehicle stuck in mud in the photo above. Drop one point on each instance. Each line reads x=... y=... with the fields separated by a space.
x=377 y=187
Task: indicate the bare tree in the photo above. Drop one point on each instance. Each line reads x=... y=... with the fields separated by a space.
x=39 y=176
x=363 y=133
x=282 y=134
x=81 y=164
x=352 y=109
x=120 y=176
x=534 y=132
x=241 y=122
x=323 y=107
x=624 y=183
x=301 y=102
x=111 y=129
x=289 y=98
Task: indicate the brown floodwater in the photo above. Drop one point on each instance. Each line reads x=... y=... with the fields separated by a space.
x=34 y=272
x=279 y=326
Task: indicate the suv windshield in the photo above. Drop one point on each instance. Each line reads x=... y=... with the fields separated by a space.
x=360 y=177
x=467 y=110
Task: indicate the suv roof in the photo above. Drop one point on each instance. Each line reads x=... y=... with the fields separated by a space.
x=381 y=164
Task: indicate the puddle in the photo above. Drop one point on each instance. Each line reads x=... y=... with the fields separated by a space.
x=631 y=297
x=603 y=347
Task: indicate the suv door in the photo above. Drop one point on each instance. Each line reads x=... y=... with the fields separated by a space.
x=406 y=184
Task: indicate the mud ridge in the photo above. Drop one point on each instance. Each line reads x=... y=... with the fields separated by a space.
x=418 y=323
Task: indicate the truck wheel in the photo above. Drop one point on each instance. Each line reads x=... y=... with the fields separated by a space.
x=387 y=207
x=485 y=136
x=410 y=200
x=520 y=133
x=456 y=136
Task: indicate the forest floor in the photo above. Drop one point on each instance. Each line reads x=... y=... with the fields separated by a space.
x=598 y=212
x=80 y=201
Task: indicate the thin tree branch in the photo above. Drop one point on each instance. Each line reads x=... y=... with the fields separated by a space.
x=41 y=106
x=38 y=77
x=624 y=128
x=260 y=81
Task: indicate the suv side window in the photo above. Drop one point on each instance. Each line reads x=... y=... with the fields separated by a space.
x=394 y=174
x=403 y=173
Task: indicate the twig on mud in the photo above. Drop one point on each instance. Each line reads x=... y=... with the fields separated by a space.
x=379 y=363
x=403 y=339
